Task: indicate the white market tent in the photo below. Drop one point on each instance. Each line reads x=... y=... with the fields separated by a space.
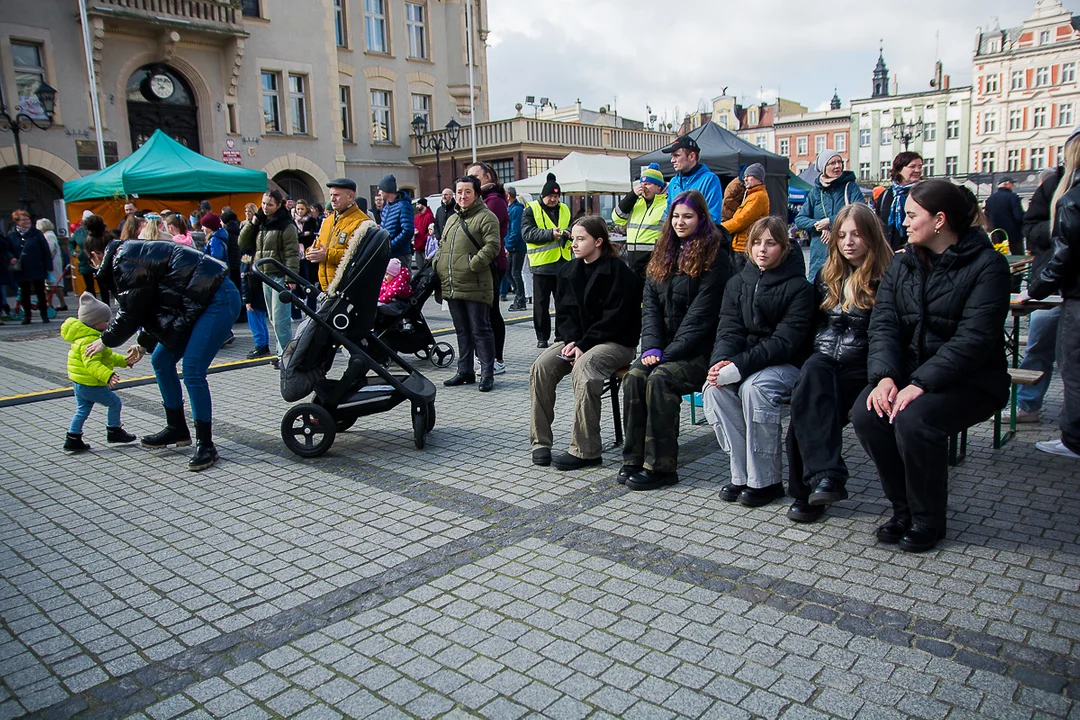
x=582 y=173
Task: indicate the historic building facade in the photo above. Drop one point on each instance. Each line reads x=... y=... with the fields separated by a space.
x=801 y=137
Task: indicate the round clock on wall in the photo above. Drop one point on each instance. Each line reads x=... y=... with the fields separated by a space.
x=161 y=85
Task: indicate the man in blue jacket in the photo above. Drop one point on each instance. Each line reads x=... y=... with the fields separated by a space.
x=397 y=218
x=690 y=174
x=1005 y=213
x=515 y=248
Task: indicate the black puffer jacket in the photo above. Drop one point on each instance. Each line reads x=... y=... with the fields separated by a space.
x=161 y=287
x=767 y=317
x=1062 y=271
x=680 y=315
x=943 y=328
x=1036 y=226
x=843 y=335
x=598 y=304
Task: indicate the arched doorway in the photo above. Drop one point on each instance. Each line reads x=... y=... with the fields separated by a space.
x=158 y=97
x=42 y=191
x=298 y=185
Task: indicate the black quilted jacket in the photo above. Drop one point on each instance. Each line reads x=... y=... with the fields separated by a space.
x=843 y=335
x=943 y=327
x=1062 y=271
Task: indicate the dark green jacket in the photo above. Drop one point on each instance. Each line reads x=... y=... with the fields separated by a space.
x=464 y=268
x=273 y=237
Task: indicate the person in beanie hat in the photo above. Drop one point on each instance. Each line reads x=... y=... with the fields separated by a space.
x=92 y=377
x=217 y=237
x=545 y=225
x=641 y=212
x=397 y=218
x=834 y=189
x=692 y=174
x=755 y=205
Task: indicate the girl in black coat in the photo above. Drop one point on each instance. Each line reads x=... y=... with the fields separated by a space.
x=183 y=305
x=937 y=358
x=597 y=325
x=684 y=286
x=764 y=335
x=835 y=373
x=31 y=248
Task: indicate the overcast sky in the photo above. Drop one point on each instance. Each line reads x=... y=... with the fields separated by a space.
x=679 y=53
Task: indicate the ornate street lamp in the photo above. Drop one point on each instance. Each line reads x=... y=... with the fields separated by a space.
x=443 y=141
x=22 y=122
x=906 y=132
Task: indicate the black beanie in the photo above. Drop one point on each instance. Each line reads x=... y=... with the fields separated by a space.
x=550 y=187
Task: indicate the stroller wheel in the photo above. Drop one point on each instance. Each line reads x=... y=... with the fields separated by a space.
x=430 y=416
x=442 y=355
x=419 y=425
x=308 y=429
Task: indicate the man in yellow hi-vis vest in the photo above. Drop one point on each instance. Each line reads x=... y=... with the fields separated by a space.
x=545 y=226
x=641 y=212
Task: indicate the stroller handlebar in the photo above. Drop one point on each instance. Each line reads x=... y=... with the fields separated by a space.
x=303 y=285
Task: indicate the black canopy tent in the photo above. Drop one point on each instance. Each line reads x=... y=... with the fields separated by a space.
x=722 y=152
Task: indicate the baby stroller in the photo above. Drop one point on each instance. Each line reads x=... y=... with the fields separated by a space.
x=343 y=319
x=401 y=324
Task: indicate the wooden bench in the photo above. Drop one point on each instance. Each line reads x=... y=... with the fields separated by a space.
x=958 y=442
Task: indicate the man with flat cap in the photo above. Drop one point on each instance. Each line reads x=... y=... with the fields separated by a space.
x=337 y=229
x=692 y=174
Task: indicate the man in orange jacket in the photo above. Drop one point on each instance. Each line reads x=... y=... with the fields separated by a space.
x=755 y=205
x=336 y=230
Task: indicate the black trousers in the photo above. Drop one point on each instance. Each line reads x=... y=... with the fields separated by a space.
x=823 y=395
x=517 y=264
x=498 y=325
x=1069 y=367
x=473 y=328
x=912 y=453
x=543 y=289
x=26 y=287
x=91 y=284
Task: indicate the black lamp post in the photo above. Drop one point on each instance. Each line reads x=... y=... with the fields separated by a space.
x=21 y=122
x=443 y=141
x=906 y=132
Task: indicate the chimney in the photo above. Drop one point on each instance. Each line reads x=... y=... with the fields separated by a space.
x=945 y=82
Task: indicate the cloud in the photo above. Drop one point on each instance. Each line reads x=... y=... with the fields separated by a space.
x=633 y=50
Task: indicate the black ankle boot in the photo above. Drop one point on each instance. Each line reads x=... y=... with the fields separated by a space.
x=119 y=435
x=175 y=433
x=74 y=443
x=205 y=452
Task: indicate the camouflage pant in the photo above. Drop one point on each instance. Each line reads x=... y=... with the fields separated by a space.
x=651 y=398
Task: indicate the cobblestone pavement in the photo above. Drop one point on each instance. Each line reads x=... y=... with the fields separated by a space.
x=461 y=581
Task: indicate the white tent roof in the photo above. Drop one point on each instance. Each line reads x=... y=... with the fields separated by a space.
x=582 y=173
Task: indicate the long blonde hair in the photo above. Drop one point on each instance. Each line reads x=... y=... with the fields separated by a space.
x=848 y=287
x=1072 y=164
x=151 y=231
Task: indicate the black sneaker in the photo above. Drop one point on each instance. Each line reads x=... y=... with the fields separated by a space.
x=119 y=435
x=625 y=472
x=486 y=384
x=460 y=379
x=541 y=457
x=756 y=497
x=566 y=461
x=650 y=480
x=803 y=512
x=729 y=492
x=74 y=444
x=541 y=343
x=828 y=491
x=920 y=538
x=258 y=352
x=892 y=531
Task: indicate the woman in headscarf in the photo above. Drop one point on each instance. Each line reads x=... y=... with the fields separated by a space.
x=834 y=188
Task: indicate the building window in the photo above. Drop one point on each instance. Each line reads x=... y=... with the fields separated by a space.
x=952 y=164
x=885 y=169
x=929 y=132
x=1042 y=76
x=752 y=117
x=421 y=105
x=864 y=137
x=29 y=74
x=990 y=122
x=802 y=145
x=505 y=170
x=1016 y=80
x=416 y=30
x=1038 y=118
x=381 y=117
x=1038 y=158
x=762 y=141
x=375 y=25
x=819 y=143
x=989 y=159
x=1068 y=72
x=864 y=171
x=298 y=103
x=250 y=8
x=886 y=136
x=340 y=32
x=1065 y=114
x=1044 y=37
x=928 y=167
x=271 y=104
x=840 y=142
x=1016 y=119
x=1012 y=161
x=993 y=46
x=535 y=166
x=992 y=83
x=723 y=121
x=87 y=155
x=785 y=146
x=952 y=129
x=346 y=113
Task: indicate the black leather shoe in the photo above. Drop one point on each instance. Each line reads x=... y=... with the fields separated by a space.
x=460 y=379
x=541 y=457
x=892 y=531
x=729 y=492
x=486 y=384
x=828 y=490
x=802 y=512
x=650 y=480
x=566 y=461
x=541 y=343
x=756 y=497
x=919 y=538
x=626 y=471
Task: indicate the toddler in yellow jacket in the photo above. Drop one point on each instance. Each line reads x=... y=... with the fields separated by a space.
x=92 y=377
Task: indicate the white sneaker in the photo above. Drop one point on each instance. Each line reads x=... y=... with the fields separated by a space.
x=1027 y=416
x=500 y=368
x=1056 y=447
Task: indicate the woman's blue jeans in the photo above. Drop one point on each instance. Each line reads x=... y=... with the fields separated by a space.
x=209 y=332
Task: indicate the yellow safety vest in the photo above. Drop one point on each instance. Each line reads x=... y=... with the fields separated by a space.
x=555 y=250
x=643 y=226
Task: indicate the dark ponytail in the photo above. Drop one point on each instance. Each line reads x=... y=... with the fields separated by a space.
x=961 y=209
